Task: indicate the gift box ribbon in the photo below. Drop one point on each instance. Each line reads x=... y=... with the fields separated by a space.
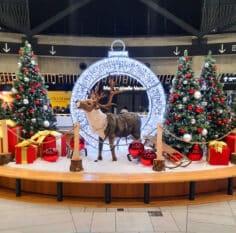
x=217 y=145
x=41 y=135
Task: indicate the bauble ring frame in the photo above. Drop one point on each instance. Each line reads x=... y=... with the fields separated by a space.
x=118 y=63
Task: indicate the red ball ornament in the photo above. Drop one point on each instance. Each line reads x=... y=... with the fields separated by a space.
x=225 y=120
x=176 y=117
x=219 y=122
x=20 y=52
x=181 y=66
x=172 y=100
x=37 y=102
x=21 y=89
x=167 y=122
x=36 y=70
x=213 y=85
x=38 y=85
x=176 y=95
x=199 y=129
x=181 y=130
x=218 y=92
x=188 y=75
x=215 y=68
x=198 y=109
x=18 y=97
x=31 y=110
x=190 y=107
x=31 y=133
x=147 y=157
x=209 y=117
x=26 y=71
x=222 y=100
x=215 y=99
x=187 y=58
x=191 y=91
x=81 y=143
x=135 y=149
x=32 y=89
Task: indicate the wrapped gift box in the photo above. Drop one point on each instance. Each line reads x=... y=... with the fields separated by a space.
x=231 y=142
x=14 y=135
x=218 y=153
x=25 y=154
x=50 y=139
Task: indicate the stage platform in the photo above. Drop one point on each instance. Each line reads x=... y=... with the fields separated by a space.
x=108 y=181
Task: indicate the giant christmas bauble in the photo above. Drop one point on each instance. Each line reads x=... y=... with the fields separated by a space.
x=81 y=143
x=147 y=157
x=136 y=148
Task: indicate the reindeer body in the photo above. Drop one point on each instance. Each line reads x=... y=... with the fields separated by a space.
x=109 y=125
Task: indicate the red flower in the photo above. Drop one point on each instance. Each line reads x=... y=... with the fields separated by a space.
x=188 y=75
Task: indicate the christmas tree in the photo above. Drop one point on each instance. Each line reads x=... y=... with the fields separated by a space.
x=31 y=107
x=185 y=120
x=218 y=114
x=2 y=110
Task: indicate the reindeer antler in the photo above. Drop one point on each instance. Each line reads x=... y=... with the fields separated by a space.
x=96 y=96
x=112 y=93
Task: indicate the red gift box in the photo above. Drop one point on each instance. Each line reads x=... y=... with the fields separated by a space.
x=231 y=142
x=25 y=154
x=217 y=157
x=55 y=142
x=14 y=137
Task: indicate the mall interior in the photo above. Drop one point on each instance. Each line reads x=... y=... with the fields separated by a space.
x=76 y=46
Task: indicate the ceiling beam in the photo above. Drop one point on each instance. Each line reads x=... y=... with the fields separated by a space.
x=162 y=11
x=57 y=17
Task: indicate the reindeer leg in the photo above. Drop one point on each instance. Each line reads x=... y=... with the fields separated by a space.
x=112 y=148
x=100 y=147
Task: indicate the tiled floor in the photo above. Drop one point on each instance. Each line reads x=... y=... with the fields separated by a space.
x=22 y=217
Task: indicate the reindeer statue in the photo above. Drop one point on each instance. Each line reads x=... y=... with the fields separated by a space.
x=109 y=125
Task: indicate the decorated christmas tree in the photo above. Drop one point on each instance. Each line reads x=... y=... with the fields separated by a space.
x=185 y=120
x=2 y=110
x=31 y=107
x=217 y=111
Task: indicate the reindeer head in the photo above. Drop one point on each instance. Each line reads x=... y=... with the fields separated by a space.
x=93 y=101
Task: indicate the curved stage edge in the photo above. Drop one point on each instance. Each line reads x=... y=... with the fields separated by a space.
x=110 y=188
